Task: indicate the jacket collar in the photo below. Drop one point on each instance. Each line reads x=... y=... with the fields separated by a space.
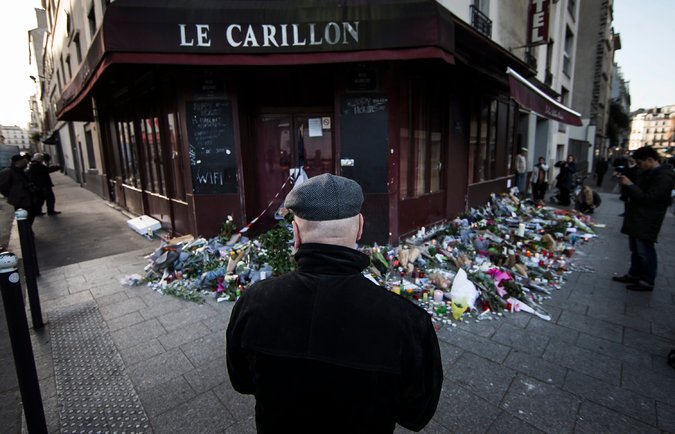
x=330 y=259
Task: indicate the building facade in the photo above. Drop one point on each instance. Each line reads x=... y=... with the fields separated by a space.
x=192 y=111
x=596 y=45
x=654 y=127
x=16 y=136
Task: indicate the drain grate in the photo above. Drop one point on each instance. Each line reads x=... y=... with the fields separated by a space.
x=93 y=390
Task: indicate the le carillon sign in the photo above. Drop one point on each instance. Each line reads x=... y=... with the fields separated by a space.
x=278 y=27
x=271 y=35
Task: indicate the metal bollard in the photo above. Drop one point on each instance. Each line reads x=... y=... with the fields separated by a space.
x=25 y=236
x=17 y=325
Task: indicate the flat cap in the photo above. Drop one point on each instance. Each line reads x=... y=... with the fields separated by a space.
x=17 y=157
x=326 y=197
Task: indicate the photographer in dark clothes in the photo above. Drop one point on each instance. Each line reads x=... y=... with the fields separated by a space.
x=647 y=201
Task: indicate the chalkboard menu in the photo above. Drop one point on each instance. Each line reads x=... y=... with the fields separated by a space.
x=363 y=128
x=211 y=145
x=364 y=105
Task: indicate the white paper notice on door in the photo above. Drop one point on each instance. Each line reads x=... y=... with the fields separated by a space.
x=315 y=127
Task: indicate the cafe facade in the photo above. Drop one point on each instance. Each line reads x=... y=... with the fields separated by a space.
x=207 y=109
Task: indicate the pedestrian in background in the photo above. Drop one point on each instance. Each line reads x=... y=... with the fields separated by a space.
x=601 y=167
x=647 y=201
x=521 y=171
x=323 y=348
x=38 y=172
x=565 y=179
x=19 y=190
x=539 y=180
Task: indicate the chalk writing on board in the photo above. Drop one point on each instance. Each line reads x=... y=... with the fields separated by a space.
x=364 y=105
x=209 y=178
x=211 y=147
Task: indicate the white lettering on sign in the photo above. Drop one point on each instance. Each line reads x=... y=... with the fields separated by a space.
x=201 y=32
x=538 y=21
x=273 y=35
x=210 y=178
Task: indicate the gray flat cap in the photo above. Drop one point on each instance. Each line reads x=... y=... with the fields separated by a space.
x=326 y=197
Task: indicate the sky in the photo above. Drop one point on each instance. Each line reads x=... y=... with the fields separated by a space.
x=646 y=59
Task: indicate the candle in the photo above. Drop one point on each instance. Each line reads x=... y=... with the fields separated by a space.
x=521 y=229
x=438 y=295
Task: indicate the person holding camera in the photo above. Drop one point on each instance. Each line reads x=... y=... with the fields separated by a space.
x=647 y=200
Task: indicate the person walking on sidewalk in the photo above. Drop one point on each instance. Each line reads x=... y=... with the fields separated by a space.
x=323 y=348
x=539 y=180
x=647 y=201
x=565 y=179
x=38 y=172
x=18 y=188
x=521 y=172
x=601 y=167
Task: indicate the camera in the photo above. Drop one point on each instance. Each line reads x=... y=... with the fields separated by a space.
x=619 y=170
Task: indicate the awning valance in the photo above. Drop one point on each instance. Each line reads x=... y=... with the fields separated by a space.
x=216 y=32
x=530 y=97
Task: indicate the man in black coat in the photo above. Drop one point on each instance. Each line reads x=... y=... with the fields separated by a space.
x=600 y=170
x=323 y=348
x=39 y=174
x=17 y=187
x=565 y=179
x=647 y=201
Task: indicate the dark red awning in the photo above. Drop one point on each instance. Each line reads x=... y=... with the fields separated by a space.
x=530 y=97
x=216 y=32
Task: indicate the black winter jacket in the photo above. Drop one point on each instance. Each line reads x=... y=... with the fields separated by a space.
x=324 y=349
x=39 y=174
x=14 y=185
x=647 y=202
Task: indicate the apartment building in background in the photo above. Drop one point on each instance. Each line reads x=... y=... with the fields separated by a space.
x=16 y=136
x=424 y=103
x=654 y=127
x=593 y=71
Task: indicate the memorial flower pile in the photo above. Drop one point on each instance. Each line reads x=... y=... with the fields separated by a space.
x=507 y=256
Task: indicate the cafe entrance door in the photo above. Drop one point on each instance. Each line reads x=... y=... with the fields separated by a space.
x=283 y=142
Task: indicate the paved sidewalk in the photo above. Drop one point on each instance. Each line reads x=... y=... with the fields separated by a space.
x=598 y=366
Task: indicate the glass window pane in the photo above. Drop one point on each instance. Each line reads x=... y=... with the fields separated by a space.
x=492 y=144
x=404 y=162
x=148 y=157
x=135 y=167
x=177 y=173
x=159 y=161
x=317 y=145
x=435 y=163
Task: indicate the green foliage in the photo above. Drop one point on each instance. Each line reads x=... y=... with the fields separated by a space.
x=184 y=293
x=276 y=249
x=227 y=229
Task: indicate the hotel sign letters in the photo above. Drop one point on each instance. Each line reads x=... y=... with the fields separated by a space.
x=253 y=36
x=538 y=22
